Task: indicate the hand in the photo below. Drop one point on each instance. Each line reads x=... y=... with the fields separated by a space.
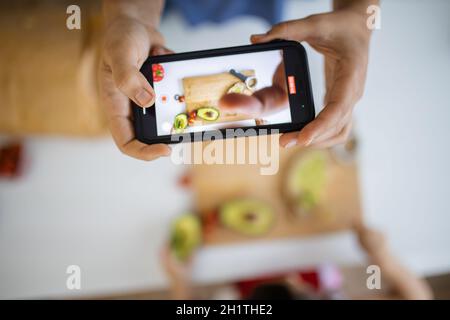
x=400 y=279
x=179 y=274
x=127 y=45
x=178 y=271
x=343 y=38
x=371 y=240
x=262 y=102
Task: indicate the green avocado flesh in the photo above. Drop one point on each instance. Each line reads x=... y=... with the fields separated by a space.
x=180 y=122
x=307 y=180
x=186 y=235
x=249 y=217
x=208 y=113
x=238 y=87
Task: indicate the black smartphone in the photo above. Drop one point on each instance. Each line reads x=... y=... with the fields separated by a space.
x=263 y=86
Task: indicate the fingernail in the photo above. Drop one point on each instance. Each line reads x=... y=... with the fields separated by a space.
x=144 y=97
x=290 y=144
x=256 y=37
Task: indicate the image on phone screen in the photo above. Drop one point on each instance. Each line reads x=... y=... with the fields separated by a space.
x=239 y=90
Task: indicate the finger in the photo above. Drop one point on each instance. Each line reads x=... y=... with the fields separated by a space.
x=348 y=83
x=128 y=79
x=159 y=50
x=329 y=77
x=263 y=102
x=118 y=112
x=306 y=136
x=330 y=130
x=326 y=124
x=275 y=97
x=241 y=104
x=340 y=138
x=299 y=30
x=279 y=77
x=288 y=140
x=272 y=99
x=123 y=135
x=342 y=96
x=313 y=130
x=145 y=152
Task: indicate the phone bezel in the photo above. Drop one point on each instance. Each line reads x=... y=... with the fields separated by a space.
x=296 y=63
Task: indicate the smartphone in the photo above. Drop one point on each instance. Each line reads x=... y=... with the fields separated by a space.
x=261 y=86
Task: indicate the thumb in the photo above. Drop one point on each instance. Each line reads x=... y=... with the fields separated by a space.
x=129 y=80
x=299 y=30
x=159 y=50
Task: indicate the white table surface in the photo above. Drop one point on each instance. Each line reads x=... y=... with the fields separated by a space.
x=82 y=202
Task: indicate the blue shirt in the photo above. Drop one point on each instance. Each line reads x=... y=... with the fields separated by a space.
x=199 y=11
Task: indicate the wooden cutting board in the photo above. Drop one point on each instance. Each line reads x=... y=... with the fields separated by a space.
x=206 y=91
x=48 y=82
x=339 y=210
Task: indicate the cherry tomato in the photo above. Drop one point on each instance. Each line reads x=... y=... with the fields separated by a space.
x=158 y=72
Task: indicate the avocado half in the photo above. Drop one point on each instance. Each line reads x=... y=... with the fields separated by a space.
x=241 y=88
x=186 y=235
x=247 y=216
x=180 y=122
x=208 y=113
x=306 y=181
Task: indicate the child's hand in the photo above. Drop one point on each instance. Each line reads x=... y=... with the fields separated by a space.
x=371 y=240
x=343 y=38
x=176 y=270
x=179 y=273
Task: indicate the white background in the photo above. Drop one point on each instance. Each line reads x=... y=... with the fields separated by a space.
x=83 y=202
x=263 y=63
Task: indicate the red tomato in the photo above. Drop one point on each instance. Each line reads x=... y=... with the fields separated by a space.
x=210 y=221
x=10 y=160
x=158 y=72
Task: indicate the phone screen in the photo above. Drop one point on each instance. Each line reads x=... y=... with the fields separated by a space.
x=264 y=86
x=239 y=90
